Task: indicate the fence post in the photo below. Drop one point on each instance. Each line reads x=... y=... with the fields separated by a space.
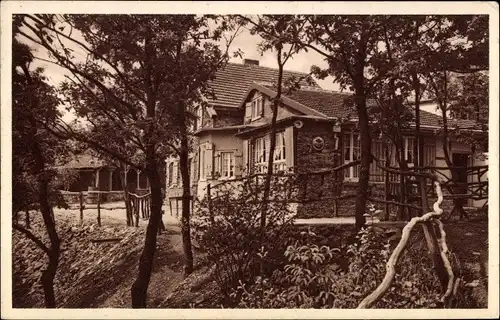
x=99 y=208
x=386 y=195
x=28 y=222
x=136 y=206
x=81 y=207
x=212 y=220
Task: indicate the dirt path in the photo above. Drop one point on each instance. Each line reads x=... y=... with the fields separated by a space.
x=167 y=269
x=167 y=272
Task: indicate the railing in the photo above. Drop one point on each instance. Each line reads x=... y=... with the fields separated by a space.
x=416 y=179
x=408 y=191
x=140 y=206
x=300 y=187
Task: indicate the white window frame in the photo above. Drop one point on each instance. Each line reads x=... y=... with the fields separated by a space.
x=260 y=154
x=280 y=152
x=227 y=167
x=409 y=143
x=352 y=173
x=256 y=108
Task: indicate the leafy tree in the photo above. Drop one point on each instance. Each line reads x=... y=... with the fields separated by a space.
x=138 y=73
x=278 y=33
x=460 y=46
x=34 y=154
x=349 y=44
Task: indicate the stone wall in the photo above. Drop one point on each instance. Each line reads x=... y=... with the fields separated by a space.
x=308 y=159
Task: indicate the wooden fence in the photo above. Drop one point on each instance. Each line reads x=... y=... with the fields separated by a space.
x=407 y=191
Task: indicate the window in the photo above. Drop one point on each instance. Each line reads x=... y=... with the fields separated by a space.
x=379 y=150
x=280 y=152
x=227 y=165
x=259 y=153
x=351 y=153
x=259 y=156
x=257 y=108
x=408 y=150
x=174 y=175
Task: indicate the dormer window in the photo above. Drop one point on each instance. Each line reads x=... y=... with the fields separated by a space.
x=257 y=108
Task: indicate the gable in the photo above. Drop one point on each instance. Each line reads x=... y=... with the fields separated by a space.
x=231 y=83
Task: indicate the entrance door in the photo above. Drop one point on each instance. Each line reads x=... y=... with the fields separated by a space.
x=461 y=160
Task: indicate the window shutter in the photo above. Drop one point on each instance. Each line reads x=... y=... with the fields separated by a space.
x=248 y=112
x=217 y=170
x=209 y=164
x=261 y=102
x=238 y=163
x=244 y=159
x=289 y=155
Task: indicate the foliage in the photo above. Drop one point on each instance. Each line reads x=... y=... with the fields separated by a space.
x=227 y=227
x=313 y=277
x=33 y=99
x=130 y=88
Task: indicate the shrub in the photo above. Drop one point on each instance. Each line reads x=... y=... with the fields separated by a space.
x=313 y=278
x=226 y=225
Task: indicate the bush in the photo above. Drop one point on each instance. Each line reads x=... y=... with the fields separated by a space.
x=313 y=278
x=226 y=226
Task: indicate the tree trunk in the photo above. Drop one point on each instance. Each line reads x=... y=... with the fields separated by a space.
x=364 y=172
x=272 y=147
x=140 y=287
x=126 y=198
x=27 y=219
x=48 y=276
x=186 y=207
x=49 y=273
x=45 y=208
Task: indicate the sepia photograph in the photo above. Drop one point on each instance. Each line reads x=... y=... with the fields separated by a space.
x=300 y=160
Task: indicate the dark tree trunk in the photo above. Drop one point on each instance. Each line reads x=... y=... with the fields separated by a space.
x=272 y=147
x=140 y=286
x=126 y=198
x=27 y=219
x=186 y=207
x=50 y=225
x=364 y=172
x=48 y=274
x=45 y=209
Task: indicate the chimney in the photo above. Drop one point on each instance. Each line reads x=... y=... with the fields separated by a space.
x=250 y=62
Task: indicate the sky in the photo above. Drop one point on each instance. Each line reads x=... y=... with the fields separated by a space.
x=300 y=62
x=247 y=43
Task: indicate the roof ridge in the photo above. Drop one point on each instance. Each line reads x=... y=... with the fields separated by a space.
x=320 y=89
x=264 y=67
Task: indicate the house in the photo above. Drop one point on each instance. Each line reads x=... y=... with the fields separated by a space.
x=316 y=129
x=94 y=174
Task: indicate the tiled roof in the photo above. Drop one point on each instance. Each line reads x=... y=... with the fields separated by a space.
x=232 y=82
x=332 y=104
x=329 y=103
x=84 y=160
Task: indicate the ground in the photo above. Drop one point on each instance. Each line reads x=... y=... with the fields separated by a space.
x=101 y=274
